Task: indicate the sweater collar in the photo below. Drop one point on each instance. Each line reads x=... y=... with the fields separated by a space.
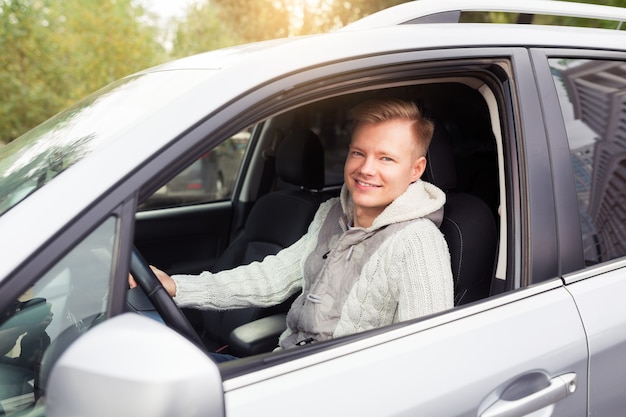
x=421 y=199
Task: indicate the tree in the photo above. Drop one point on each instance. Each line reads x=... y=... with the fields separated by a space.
x=26 y=82
x=201 y=30
x=255 y=20
x=54 y=53
x=98 y=42
x=213 y=24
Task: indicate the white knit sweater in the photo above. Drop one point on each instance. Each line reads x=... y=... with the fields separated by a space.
x=405 y=277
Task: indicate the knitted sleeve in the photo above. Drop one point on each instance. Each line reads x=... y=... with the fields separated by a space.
x=409 y=277
x=259 y=284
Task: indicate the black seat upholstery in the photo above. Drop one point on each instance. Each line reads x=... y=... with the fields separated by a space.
x=276 y=221
x=468 y=124
x=468 y=225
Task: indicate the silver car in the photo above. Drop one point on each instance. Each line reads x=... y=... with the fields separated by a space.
x=530 y=148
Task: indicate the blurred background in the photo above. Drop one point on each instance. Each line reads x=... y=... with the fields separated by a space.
x=54 y=52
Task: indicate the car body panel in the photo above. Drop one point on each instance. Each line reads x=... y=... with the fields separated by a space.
x=450 y=361
x=599 y=294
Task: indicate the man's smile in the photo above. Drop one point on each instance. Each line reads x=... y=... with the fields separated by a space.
x=365 y=184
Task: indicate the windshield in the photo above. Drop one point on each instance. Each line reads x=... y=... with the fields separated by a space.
x=38 y=156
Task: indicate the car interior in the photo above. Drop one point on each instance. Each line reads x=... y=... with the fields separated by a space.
x=294 y=162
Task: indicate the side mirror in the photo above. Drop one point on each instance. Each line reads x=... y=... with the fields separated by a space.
x=131 y=365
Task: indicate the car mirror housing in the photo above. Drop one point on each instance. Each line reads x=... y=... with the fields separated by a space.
x=134 y=366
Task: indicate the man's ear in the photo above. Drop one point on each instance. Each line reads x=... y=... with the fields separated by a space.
x=419 y=166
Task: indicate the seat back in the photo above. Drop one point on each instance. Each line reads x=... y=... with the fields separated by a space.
x=468 y=224
x=277 y=220
x=468 y=125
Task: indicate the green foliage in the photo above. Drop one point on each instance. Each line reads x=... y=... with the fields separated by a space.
x=216 y=24
x=56 y=52
x=254 y=20
x=24 y=61
x=100 y=41
x=201 y=30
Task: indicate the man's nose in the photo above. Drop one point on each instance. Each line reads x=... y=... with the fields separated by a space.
x=368 y=166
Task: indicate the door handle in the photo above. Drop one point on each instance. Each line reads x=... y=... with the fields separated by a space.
x=558 y=388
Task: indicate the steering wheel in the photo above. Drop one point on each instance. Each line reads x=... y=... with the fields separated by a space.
x=166 y=307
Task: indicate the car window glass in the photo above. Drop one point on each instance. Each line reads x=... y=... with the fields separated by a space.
x=591 y=94
x=210 y=178
x=39 y=325
x=41 y=154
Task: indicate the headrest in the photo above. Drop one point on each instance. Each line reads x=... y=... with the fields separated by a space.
x=300 y=160
x=440 y=167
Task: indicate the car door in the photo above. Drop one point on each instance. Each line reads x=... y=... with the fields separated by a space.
x=509 y=356
x=599 y=294
x=521 y=352
x=591 y=146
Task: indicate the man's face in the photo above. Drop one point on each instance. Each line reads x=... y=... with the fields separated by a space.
x=383 y=160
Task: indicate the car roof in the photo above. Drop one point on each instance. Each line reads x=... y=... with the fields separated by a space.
x=448 y=11
x=228 y=76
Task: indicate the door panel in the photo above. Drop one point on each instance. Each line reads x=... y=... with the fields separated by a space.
x=459 y=368
x=184 y=239
x=186 y=224
x=601 y=302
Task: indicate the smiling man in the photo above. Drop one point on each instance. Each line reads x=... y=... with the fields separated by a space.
x=371 y=257
x=387 y=154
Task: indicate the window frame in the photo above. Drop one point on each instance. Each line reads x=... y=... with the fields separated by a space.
x=355 y=75
x=508 y=111
x=571 y=256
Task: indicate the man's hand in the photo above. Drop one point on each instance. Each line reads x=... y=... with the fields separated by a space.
x=167 y=281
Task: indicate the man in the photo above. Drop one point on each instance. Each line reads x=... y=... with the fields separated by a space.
x=371 y=257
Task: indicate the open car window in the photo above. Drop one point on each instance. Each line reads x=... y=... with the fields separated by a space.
x=212 y=177
x=466 y=115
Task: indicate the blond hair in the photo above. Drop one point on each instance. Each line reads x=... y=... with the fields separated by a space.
x=382 y=110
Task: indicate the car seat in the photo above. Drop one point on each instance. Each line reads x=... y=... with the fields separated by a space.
x=468 y=224
x=467 y=122
x=277 y=220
